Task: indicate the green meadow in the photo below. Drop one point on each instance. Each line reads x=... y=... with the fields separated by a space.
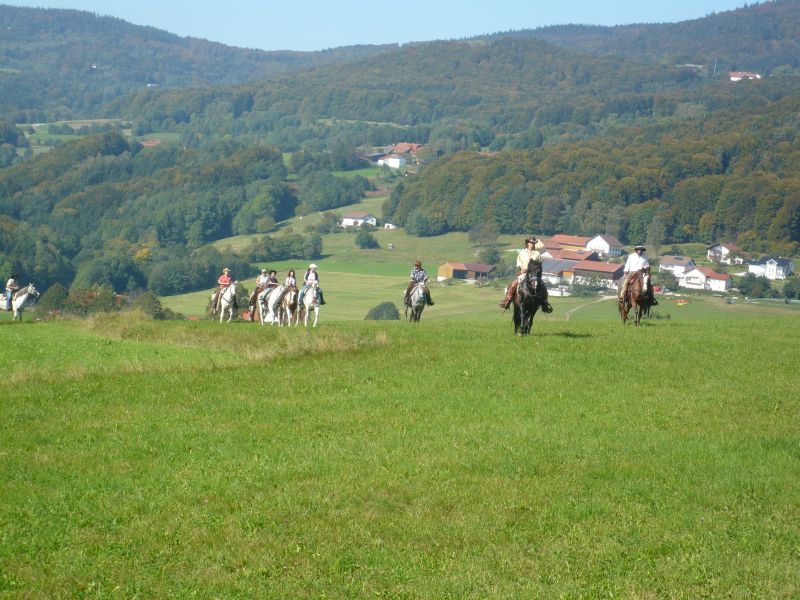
x=447 y=459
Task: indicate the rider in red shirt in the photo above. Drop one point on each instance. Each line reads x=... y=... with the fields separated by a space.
x=224 y=281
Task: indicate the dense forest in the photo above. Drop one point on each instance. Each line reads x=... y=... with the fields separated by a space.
x=104 y=210
x=61 y=64
x=733 y=176
x=766 y=40
x=570 y=129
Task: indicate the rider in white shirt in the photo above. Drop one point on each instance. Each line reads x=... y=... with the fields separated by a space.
x=11 y=287
x=635 y=263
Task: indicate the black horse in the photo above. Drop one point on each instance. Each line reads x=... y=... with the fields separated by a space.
x=529 y=298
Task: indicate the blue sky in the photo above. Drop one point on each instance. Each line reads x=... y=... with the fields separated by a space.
x=317 y=24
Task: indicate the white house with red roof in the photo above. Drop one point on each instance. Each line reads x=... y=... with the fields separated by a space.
x=704 y=278
x=605 y=245
x=605 y=274
x=726 y=253
x=677 y=265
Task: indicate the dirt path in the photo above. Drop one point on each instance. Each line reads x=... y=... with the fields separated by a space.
x=568 y=314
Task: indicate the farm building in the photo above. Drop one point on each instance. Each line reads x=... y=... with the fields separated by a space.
x=772 y=267
x=703 y=278
x=728 y=254
x=605 y=245
x=677 y=265
x=570 y=242
x=576 y=255
x=393 y=161
x=558 y=272
x=357 y=219
x=468 y=271
x=606 y=274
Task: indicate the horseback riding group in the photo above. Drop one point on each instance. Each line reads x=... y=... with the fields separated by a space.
x=274 y=302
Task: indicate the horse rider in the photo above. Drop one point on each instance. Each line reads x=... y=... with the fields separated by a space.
x=530 y=252
x=309 y=278
x=222 y=284
x=11 y=287
x=636 y=262
x=271 y=283
x=418 y=277
x=291 y=279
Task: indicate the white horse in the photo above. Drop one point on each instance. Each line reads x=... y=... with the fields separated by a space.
x=417 y=298
x=225 y=302
x=23 y=297
x=269 y=307
x=310 y=302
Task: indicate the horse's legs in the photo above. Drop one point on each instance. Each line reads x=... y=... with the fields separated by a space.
x=316 y=315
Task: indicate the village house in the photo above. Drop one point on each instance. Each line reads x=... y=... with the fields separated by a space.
x=704 y=278
x=406 y=148
x=389 y=226
x=357 y=219
x=576 y=255
x=570 y=242
x=725 y=253
x=558 y=272
x=605 y=245
x=772 y=267
x=677 y=265
x=743 y=75
x=393 y=161
x=467 y=271
x=593 y=272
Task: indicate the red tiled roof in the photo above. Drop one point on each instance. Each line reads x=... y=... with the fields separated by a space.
x=712 y=274
x=598 y=267
x=406 y=147
x=570 y=240
x=573 y=254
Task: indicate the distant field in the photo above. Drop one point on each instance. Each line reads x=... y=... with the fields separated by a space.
x=446 y=459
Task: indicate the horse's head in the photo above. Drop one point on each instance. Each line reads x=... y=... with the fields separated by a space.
x=32 y=290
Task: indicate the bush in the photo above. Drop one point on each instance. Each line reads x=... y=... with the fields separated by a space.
x=366 y=241
x=53 y=300
x=150 y=305
x=385 y=311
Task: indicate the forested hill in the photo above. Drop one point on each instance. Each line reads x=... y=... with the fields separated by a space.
x=732 y=176
x=452 y=95
x=58 y=63
x=761 y=37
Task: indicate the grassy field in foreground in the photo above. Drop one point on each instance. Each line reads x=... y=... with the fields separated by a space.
x=448 y=459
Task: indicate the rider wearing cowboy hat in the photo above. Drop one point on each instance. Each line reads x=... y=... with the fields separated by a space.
x=528 y=253
x=418 y=275
x=636 y=262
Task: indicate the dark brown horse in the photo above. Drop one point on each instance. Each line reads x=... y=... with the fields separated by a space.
x=638 y=296
x=528 y=298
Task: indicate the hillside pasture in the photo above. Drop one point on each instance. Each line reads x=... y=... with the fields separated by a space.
x=158 y=459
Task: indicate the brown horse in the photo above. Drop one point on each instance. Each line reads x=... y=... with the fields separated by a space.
x=638 y=296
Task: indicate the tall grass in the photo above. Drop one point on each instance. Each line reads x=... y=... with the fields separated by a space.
x=447 y=459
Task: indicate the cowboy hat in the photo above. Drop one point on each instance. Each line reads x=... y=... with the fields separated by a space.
x=531 y=240
x=312 y=266
x=418 y=264
x=642 y=248
x=226 y=270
